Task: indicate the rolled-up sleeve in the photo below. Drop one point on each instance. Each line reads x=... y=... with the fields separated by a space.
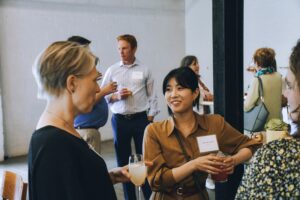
x=152 y=97
x=107 y=79
x=160 y=176
x=231 y=140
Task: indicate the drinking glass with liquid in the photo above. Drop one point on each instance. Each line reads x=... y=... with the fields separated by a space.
x=222 y=176
x=138 y=171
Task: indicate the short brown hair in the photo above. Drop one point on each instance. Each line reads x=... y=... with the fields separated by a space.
x=60 y=60
x=264 y=57
x=128 y=38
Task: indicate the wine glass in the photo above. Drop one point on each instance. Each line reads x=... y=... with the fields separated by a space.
x=138 y=171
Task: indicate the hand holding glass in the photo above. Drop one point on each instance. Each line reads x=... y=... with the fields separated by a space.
x=138 y=171
x=123 y=92
x=222 y=176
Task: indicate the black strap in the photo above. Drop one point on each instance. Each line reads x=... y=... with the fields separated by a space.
x=260 y=89
x=196 y=175
x=188 y=158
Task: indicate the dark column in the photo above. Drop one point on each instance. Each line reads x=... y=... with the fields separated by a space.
x=228 y=75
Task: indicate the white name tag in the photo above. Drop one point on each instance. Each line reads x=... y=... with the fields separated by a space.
x=208 y=143
x=137 y=75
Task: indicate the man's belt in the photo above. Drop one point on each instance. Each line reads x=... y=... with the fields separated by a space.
x=132 y=116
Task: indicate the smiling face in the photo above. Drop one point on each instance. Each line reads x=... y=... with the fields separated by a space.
x=84 y=96
x=292 y=94
x=178 y=98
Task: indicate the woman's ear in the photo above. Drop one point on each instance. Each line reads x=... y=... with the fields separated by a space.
x=71 y=84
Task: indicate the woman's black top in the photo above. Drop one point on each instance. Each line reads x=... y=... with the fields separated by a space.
x=63 y=167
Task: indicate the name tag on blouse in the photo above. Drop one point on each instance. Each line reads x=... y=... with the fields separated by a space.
x=207 y=143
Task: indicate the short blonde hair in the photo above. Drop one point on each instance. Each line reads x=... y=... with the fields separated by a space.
x=59 y=61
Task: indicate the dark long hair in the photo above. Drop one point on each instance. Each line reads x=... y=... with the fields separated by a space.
x=188 y=60
x=186 y=78
x=295 y=69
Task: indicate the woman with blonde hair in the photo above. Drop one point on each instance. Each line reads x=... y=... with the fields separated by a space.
x=61 y=165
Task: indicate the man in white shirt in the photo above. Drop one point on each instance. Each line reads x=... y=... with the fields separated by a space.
x=133 y=106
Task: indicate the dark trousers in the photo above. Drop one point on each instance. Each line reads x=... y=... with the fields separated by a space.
x=227 y=190
x=124 y=130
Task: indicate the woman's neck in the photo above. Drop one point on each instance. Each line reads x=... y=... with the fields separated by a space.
x=60 y=115
x=185 y=122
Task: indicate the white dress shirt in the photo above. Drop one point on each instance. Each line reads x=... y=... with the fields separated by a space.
x=136 y=78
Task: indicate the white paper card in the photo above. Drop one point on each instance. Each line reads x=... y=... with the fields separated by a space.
x=137 y=75
x=207 y=143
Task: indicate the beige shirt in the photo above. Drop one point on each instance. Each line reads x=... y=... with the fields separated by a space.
x=162 y=147
x=272 y=86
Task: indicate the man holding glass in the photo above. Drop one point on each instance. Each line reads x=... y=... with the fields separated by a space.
x=133 y=106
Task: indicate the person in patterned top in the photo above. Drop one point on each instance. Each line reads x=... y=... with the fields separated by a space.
x=274 y=172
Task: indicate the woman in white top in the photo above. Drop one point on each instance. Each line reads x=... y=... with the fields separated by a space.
x=205 y=95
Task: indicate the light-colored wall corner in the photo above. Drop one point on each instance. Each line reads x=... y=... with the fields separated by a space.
x=267 y=23
x=273 y=24
x=1 y=130
x=198 y=37
x=27 y=27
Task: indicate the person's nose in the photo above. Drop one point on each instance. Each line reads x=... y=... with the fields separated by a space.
x=98 y=89
x=174 y=93
x=285 y=93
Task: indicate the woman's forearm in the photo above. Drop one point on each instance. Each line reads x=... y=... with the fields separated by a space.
x=242 y=155
x=179 y=173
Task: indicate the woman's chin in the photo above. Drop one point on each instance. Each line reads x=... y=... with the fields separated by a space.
x=89 y=109
x=86 y=110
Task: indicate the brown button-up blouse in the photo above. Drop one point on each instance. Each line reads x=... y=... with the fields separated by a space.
x=162 y=147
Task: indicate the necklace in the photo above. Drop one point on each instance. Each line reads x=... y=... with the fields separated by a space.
x=67 y=124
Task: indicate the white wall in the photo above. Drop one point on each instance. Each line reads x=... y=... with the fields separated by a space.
x=267 y=23
x=198 y=38
x=27 y=27
x=1 y=130
x=270 y=23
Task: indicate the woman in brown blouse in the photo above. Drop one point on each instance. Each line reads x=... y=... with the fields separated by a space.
x=172 y=176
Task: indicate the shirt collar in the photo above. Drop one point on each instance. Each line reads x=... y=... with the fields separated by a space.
x=135 y=63
x=201 y=119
